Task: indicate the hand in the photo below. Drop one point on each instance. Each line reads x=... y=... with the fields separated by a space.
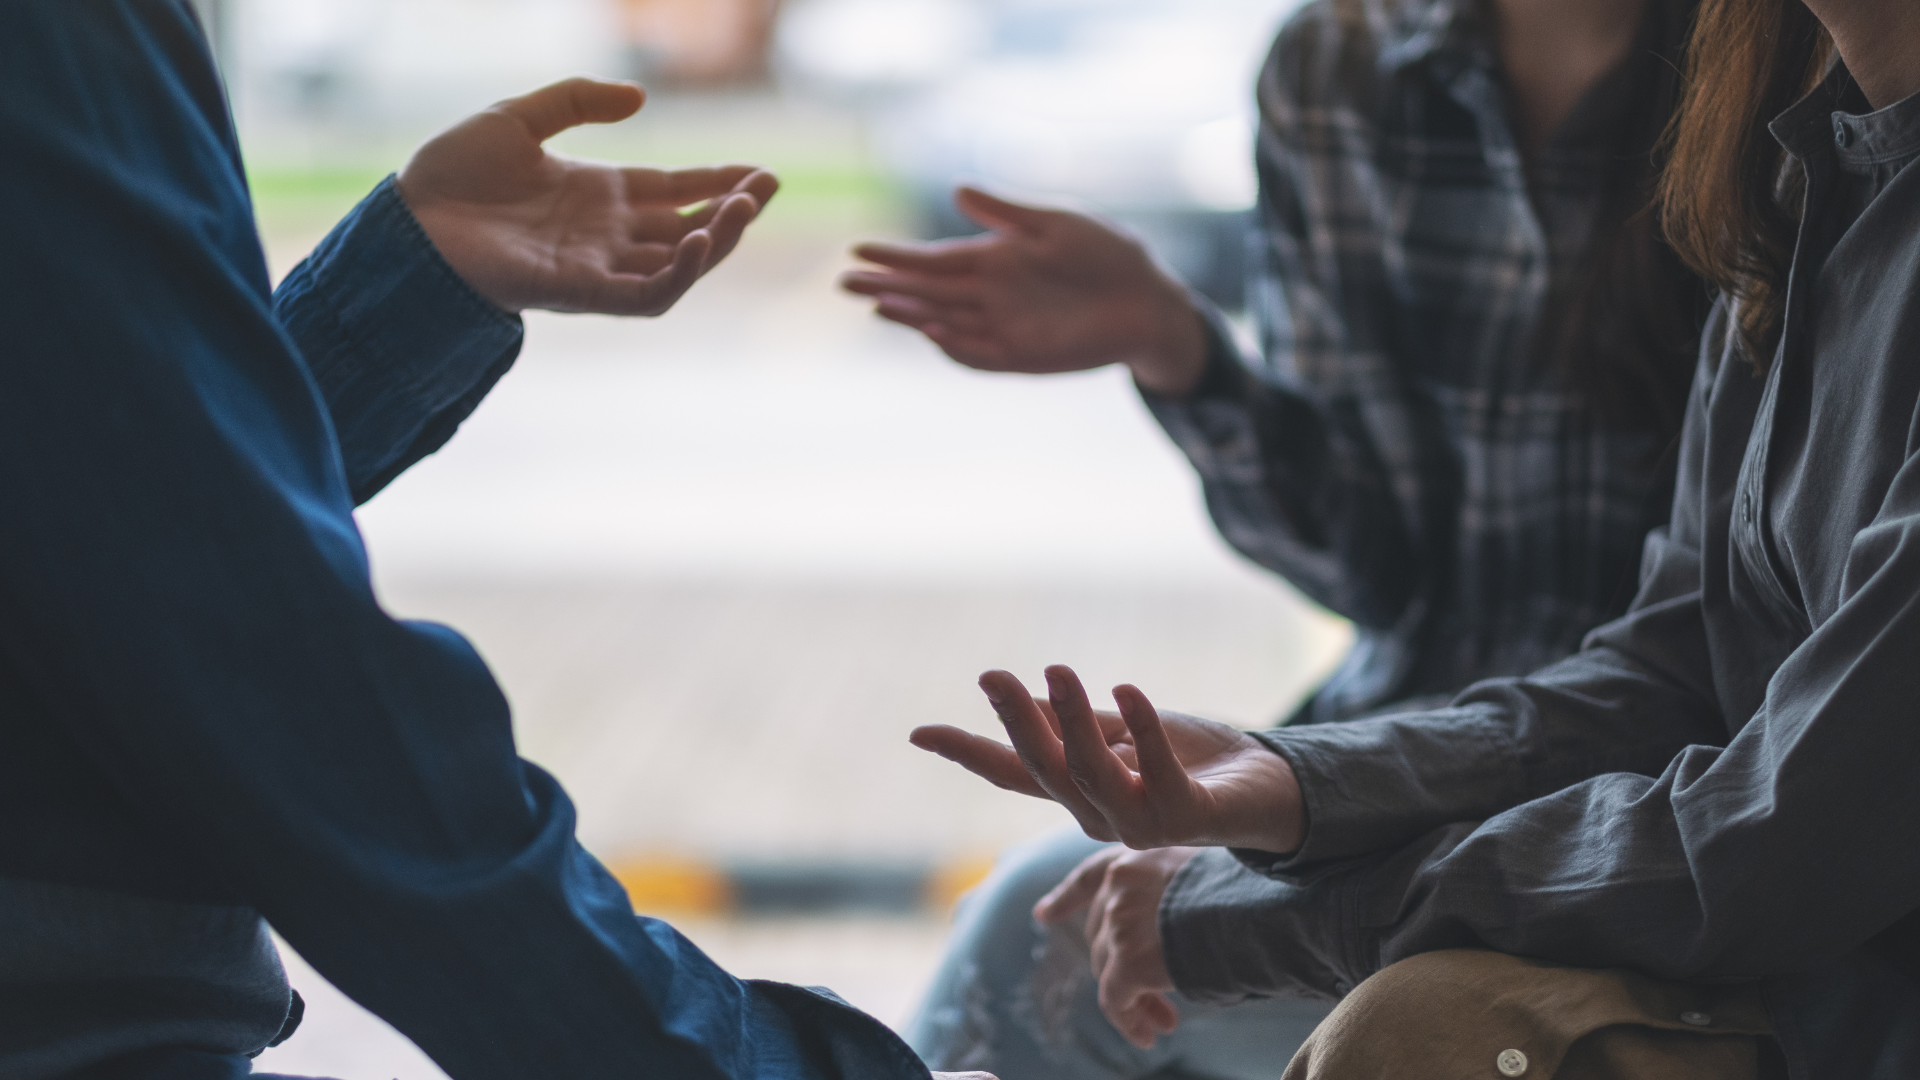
x=1144 y=778
x=1120 y=891
x=1046 y=291
x=531 y=229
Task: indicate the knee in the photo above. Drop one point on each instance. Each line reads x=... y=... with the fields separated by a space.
x=1022 y=875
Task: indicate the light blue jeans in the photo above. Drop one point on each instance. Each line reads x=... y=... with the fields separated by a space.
x=1019 y=1000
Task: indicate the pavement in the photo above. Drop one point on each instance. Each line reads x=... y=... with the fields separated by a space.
x=724 y=561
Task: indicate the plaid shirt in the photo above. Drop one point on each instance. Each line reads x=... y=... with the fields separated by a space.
x=1403 y=451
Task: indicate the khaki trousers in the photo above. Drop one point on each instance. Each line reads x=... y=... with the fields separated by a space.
x=1466 y=1014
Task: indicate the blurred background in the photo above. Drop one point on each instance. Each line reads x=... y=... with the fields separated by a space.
x=723 y=561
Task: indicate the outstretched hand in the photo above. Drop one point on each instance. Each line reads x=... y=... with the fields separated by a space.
x=1120 y=892
x=1045 y=291
x=1142 y=777
x=532 y=229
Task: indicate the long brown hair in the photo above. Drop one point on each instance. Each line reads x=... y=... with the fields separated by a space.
x=1730 y=207
x=1629 y=331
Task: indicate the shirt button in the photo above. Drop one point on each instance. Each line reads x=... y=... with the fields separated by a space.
x=1511 y=1063
x=1697 y=1019
x=1841 y=136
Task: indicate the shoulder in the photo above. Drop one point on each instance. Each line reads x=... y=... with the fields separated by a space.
x=1329 y=54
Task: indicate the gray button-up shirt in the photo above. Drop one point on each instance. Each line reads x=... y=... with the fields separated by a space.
x=1722 y=784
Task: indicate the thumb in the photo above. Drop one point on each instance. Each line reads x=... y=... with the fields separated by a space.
x=551 y=110
x=998 y=213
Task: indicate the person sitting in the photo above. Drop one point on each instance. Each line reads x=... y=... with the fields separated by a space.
x=1474 y=356
x=1683 y=850
x=207 y=723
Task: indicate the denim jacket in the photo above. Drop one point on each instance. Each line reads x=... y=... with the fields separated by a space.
x=206 y=719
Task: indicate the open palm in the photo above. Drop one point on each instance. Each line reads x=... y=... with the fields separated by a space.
x=532 y=229
x=1045 y=291
x=1142 y=777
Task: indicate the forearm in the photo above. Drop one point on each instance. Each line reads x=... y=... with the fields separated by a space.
x=1289 y=486
x=1369 y=786
x=1177 y=342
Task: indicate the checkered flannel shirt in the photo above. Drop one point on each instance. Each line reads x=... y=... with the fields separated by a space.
x=1402 y=451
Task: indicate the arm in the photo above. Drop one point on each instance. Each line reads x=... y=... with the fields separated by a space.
x=1309 y=805
x=407 y=313
x=401 y=348
x=1296 y=478
x=186 y=601
x=1654 y=867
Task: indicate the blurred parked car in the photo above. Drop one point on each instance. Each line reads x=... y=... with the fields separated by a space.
x=1141 y=110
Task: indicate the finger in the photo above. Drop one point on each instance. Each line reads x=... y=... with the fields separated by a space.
x=571 y=102
x=1112 y=726
x=760 y=184
x=647 y=187
x=1140 y=1016
x=736 y=212
x=1078 y=890
x=971 y=350
x=993 y=762
x=1160 y=768
x=940 y=257
x=1053 y=718
x=1039 y=749
x=1121 y=1006
x=919 y=314
x=626 y=294
x=1154 y=1015
x=644 y=259
x=1106 y=781
x=948 y=320
x=997 y=213
x=946 y=290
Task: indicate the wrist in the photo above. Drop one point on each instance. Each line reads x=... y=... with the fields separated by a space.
x=1175 y=356
x=1282 y=829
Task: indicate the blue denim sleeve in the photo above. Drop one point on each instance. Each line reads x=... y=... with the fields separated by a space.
x=402 y=348
x=186 y=612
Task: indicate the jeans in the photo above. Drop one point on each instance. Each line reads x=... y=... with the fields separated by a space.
x=1019 y=1000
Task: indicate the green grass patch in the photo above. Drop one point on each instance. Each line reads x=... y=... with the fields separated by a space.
x=300 y=199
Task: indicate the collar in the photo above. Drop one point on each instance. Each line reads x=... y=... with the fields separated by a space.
x=1413 y=31
x=1825 y=119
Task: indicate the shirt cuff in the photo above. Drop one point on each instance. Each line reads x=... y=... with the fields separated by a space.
x=1370 y=786
x=1230 y=935
x=1214 y=423
x=840 y=1040
x=402 y=348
